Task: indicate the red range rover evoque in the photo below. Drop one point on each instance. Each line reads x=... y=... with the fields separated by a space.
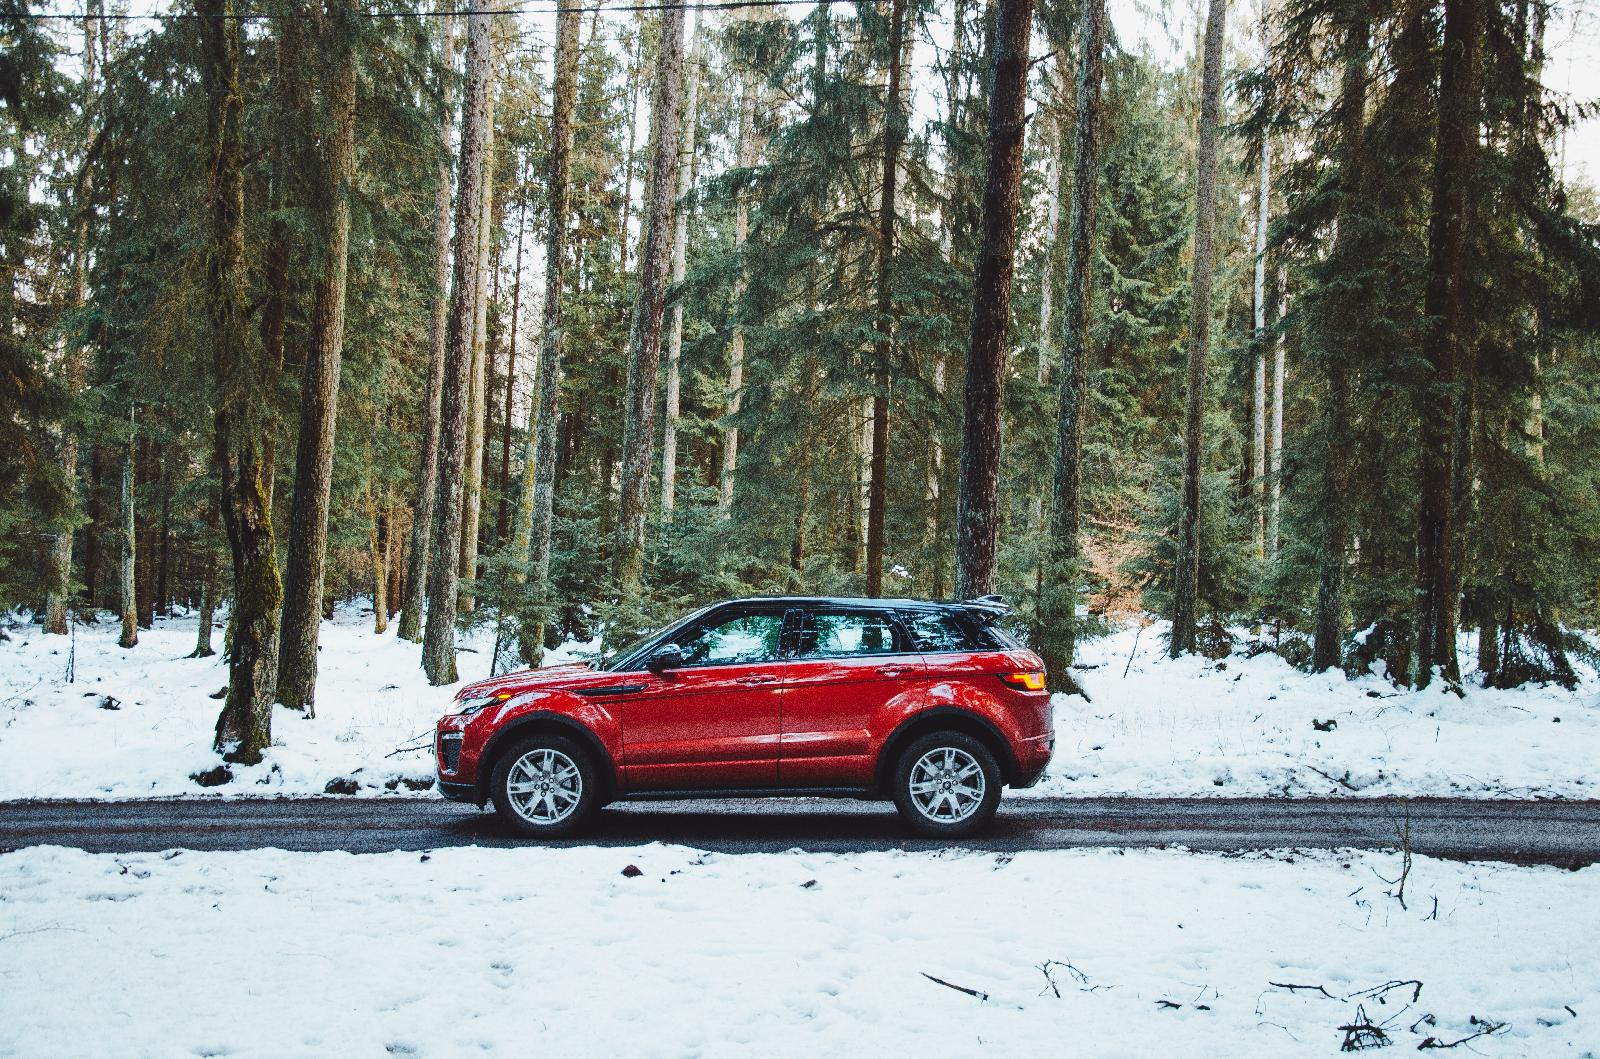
x=930 y=704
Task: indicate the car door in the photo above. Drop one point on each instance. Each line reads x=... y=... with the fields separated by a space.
x=714 y=722
x=848 y=662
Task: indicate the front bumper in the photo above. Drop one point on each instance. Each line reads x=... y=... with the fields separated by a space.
x=458 y=792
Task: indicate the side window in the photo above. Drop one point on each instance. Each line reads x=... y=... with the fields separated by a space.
x=933 y=631
x=739 y=640
x=833 y=634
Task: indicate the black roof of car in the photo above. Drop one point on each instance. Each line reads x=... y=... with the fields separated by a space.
x=988 y=604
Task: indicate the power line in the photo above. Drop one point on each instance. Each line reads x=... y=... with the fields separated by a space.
x=558 y=9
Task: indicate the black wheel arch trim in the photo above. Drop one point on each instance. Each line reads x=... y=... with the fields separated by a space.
x=906 y=730
x=544 y=719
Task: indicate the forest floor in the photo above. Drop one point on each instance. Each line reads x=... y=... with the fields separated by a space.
x=664 y=950
x=1155 y=727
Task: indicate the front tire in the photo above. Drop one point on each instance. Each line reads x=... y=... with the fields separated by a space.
x=947 y=785
x=544 y=786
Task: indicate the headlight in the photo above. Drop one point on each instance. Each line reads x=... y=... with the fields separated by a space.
x=478 y=702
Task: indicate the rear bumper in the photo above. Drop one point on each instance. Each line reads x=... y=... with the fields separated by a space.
x=1033 y=760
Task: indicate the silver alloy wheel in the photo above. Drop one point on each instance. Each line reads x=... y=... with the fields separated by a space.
x=544 y=786
x=947 y=785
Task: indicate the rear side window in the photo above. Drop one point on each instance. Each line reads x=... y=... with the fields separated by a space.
x=848 y=633
x=939 y=631
x=935 y=631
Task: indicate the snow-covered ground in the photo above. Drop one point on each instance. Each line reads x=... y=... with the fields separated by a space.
x=1242 y=726
x=558 y=951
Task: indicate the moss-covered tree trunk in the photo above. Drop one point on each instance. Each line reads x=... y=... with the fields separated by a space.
x=428 y=452
x=472 y=491
x=244 y=728
x=978 y=496
x=127 y=551
x=439 y=636
x=1186 y=577
x=319 y=393
x=1061 y=571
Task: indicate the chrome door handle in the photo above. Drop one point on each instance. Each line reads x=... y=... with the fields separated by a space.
x=757 y=679
x=892 y=671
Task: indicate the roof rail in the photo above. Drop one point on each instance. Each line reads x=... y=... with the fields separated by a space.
x=993 y=604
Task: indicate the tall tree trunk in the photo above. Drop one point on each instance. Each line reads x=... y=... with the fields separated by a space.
x=287 y=108
x=488 y=262
x=377 y=545
x=978 y=496
x=500 y=524
x=1327 y=651
x=127 y=593
x=540 y=462
x=745 y=156
x=635 y=76
x=644 y=343
x=76 y=365
x=210 y=586
x=428 y=456
x=244 y=727
x=319 y=392
x=1258 y=422
x=680 y=263
x=439 y=635
x=1062 y=568
x=894 y=133
x=1454 y=163
x=1186 y=580
x=1275 y=442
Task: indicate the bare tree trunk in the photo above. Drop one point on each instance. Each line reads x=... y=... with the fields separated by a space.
x=428 y=456
x=1455 y=161
x=438 y=643
x=1258 y=425
x=1327 y=650
x=127 y=597
x=644 y=344
x=978 y=498
x=1186 y=580
x=744 y=156
x=488 y=261
x=542 y=441
x=210 y=587
x=76 y=366
x=1061 y=571
x=244 y=727
x=680 y=263
x=894 y=131
x=319 y=397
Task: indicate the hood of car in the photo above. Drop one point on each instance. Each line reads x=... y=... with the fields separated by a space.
x=551 y=678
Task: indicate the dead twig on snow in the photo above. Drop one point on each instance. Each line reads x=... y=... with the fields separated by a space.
x=958 y=988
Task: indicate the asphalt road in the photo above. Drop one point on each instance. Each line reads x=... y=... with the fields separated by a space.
x=1561 y=833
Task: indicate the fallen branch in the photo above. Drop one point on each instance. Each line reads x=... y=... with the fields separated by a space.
x=1308 y=988
x=958 y=988
x=1488 y=1028
x=1345 y=783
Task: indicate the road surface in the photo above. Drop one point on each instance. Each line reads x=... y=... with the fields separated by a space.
x=1522 y=832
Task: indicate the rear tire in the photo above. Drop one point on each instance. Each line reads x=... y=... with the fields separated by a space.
x=947 y=785
x=545 y=786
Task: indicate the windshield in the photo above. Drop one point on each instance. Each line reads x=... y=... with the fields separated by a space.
x=632 y=655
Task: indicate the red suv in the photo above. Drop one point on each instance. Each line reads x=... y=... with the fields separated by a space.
x=931 y=704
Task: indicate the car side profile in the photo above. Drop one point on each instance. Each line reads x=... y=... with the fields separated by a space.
x=930 y=704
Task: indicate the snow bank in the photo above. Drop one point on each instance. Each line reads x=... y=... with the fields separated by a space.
x=549 y=952
x=1257 y=726
x=1242 y=726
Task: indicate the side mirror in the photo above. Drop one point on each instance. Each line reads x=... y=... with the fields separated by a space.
x=665 y=658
